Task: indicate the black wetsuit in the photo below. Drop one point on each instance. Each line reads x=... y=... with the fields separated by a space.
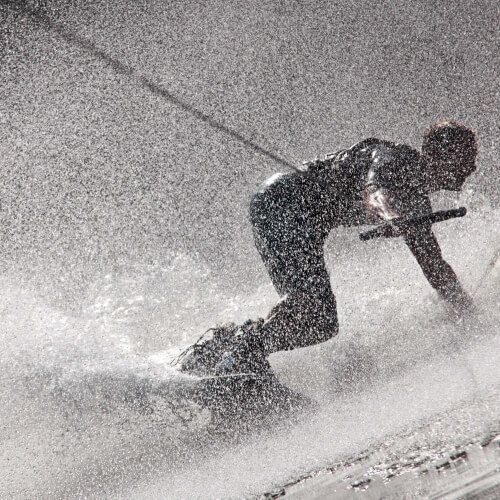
x=292 y=215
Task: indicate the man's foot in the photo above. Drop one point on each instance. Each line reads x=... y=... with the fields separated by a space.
x=203 y=356
x=232 y=349
x=246 y=357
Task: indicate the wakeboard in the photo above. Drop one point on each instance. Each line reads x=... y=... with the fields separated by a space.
x=253 y=391
x=245 y=395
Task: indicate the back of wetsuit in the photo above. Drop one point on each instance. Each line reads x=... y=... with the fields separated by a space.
x=329 y=193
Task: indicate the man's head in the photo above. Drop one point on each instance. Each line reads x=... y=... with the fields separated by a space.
x=449 y=150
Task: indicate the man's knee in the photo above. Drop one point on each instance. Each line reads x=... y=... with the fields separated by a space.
x=302 y=320
x=322 y=321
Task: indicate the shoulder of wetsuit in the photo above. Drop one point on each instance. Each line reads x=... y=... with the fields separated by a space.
x=407 y=167
x=393 y=166
x=407 y=153
x=359 y=153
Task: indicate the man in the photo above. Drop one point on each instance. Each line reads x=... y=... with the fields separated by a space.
x=292 y=214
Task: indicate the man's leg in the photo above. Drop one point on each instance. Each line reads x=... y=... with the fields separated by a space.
x=299 y=320
x=307 y=314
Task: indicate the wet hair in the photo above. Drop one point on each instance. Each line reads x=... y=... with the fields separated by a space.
x=449 y=138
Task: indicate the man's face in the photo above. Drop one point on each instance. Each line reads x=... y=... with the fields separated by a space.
x=450 y=172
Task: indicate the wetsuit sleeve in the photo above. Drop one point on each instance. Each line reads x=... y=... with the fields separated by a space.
x=425 y=248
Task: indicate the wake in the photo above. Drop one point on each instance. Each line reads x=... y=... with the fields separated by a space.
x=91 y=404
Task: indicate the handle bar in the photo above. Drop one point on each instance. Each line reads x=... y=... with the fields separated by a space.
x=388 y=230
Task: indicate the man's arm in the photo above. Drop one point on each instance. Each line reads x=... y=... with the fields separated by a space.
x=380 y=205
x=425 y=247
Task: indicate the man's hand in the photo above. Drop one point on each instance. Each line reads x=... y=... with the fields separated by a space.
x=460 y=313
